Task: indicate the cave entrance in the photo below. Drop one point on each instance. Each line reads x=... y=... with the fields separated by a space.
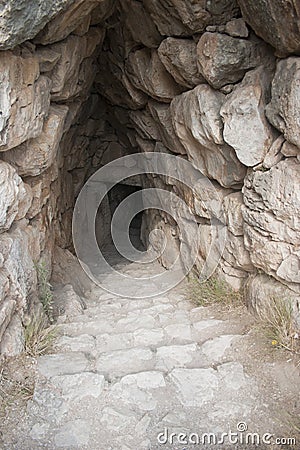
x=115 y=196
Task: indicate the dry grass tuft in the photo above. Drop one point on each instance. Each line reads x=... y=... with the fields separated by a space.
x=39 y=337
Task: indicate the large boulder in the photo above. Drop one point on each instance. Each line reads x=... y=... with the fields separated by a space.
x=283 y=110
x=35 y=155
x=179 y=56
x=15 y=196
x=224 y=59
x=277 y=22
x=21 y=20
x=25 y=99
x=147 y=73
x=246 y=128
x=198 y=124
x=184 y=18
x=272 y=227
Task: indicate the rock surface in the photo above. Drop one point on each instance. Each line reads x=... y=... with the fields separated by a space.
x=269 y=21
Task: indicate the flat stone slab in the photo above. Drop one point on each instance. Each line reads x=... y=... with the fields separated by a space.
x=215 y=349
x=194 y=387
x=79 y=386
x=173 y=356
x=73 y=434
x=123 y=362
x=62 y=364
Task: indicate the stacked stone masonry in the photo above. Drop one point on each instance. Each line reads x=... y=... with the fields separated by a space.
x=87 y=81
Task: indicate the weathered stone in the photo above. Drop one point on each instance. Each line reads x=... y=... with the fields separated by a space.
x=232 y=207
x=246 y=128
x=223 y=59
x=36 y=155
x=161 y=114
x=274 y=155
x=123 y=362
x=24 y=99
x=283 y=110
x=272 y=229
x=237 y=28
x=194 y=387
x=15 y=196
x=31 y=17
x=177 y=18
x=289 y=149
x=70 y=75
x=113 y=83
x=103 y=11
x=140 y=24
x=197 y=122
x=269 y=20
x=179 y=56
x=73 y=433
x=12 y=342
x=67 y=303
x=216 y=349
x=63 y=364
x=79 y=386
x=67 y=21
x=47 y=59
x=175 y=356
x=263 y=288
x=148 y=74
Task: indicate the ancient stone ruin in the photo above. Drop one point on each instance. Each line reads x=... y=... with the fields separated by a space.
x=215 y=81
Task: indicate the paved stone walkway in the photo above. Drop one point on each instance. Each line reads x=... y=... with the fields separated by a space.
x=126 y=374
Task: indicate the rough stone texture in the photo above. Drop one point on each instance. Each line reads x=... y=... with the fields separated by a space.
x=283 y=109
x=148 y=74
x=15 y=196
x=36 y=155
x=68 y=21
x=177 y=18
x=94 y=84
x=272 y=222
x=262 y=288
x=270 y=20
x=179 y=56
x=246 y=128
x=140 y=24
x=223 y=59
x=31 y=18
x=24 y=99
x=197 y=122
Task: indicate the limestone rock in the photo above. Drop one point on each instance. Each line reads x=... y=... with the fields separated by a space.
x=31 y=17
x=179 y=56
x=36 y=155
x=232 y=207
x=197 y=123
x=47 y=58
x=237 y=28
x=67 y=303
x=12 y=342
x=114 y=84
x=148 y=74
x=272 y=229
x=15 y=196
x=145 y=124
x=270 y=19
x=262 y=288
x=224 y=59
x=161 y=114
x=67 y=21
x=24 y=99
x=71 y=73
x=178 y=18
x=103 y=11
x=283 y=110
x=246 y=128
x=140 y=24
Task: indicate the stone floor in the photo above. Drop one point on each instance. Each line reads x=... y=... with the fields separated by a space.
x=126 y=374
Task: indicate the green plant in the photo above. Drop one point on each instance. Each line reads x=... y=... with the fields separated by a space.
x=212 y=291
x=39 y=337
x=276 y=317
x=44 y=287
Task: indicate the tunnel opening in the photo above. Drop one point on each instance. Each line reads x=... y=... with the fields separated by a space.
x=87 y=84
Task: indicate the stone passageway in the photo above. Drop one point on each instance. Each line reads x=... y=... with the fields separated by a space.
x=126 y=374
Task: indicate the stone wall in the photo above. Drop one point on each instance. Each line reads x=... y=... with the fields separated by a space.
x=216 y=82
